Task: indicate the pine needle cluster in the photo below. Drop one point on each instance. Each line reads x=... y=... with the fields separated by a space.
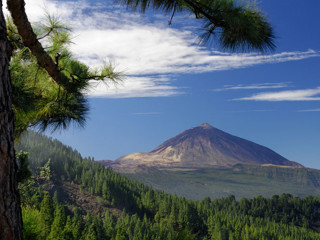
x=39 y=100
x=234 y=25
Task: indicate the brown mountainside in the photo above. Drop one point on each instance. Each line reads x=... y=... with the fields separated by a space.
x=203 y=147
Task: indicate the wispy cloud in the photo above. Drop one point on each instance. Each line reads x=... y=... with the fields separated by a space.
x=293 y=95
x=311 y=110
x=253 y=86
x=144 y=47
x=253 y=110
x=135 y=87
x=147 y=113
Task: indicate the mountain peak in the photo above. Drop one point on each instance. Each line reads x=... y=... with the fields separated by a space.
x=206 y=147
x=206 y=125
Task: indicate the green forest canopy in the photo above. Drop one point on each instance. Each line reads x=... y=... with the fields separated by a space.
x=146 y=213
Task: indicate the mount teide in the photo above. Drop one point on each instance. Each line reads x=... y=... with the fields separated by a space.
x=203 y=147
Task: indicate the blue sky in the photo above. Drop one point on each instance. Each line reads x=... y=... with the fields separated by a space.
x=173 y=84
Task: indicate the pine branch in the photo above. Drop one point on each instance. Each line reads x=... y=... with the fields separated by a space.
x=20 y=19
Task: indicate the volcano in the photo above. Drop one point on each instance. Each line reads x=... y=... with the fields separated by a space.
x=204 y=147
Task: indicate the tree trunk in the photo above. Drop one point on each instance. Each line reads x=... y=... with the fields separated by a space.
x=10 y=211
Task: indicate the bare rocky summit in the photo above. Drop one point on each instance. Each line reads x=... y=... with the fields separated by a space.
x=202 y=147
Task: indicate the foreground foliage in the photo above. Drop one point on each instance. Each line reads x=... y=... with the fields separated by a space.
x=146 y=213
x=37 y=99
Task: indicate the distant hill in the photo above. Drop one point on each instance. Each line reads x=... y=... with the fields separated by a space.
x=202 y=147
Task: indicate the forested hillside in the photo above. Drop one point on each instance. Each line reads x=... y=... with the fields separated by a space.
x=241 y=181
x=144 y=213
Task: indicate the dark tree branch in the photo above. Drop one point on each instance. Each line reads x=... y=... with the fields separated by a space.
x=46 y=35
x=20 y=19
x=174 y=11
x=200 y=12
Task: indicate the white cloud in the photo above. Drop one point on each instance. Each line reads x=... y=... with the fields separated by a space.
x=144 y=48
x=253 y=86
x=135 y=87
x=293 y=95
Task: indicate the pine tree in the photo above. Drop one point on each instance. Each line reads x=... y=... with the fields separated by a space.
x=109 y=223
x=46 y=214
x=77 y=225
x=31 y=218
x=58 y=224
x=68 y=229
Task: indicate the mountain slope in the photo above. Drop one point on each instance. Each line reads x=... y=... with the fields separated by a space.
x=204 y=147
x=241 y=181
